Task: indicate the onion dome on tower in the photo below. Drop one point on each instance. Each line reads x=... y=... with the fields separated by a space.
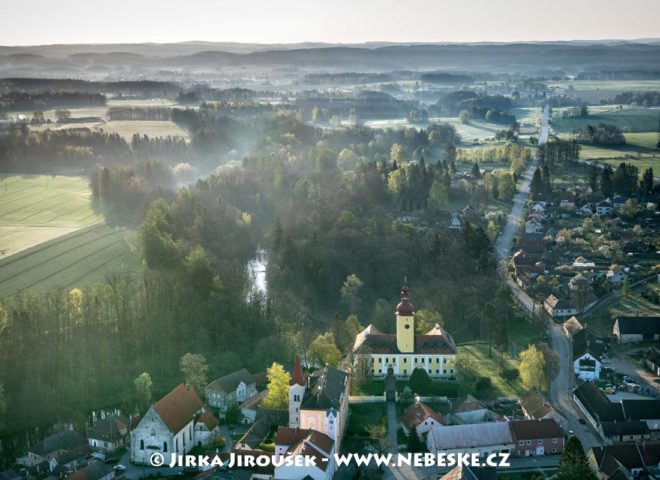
x=405 y=308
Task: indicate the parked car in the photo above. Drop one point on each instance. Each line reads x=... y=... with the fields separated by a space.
x=120 y=468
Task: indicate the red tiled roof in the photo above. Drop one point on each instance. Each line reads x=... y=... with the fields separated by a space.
x=297 y=378
x=178 y=407
x=535 y=429
x=417 y=413
x=208 y=419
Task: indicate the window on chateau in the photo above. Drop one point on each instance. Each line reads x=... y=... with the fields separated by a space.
x=141 y=444
x=437 y=370
x=405 y=360
x=164 y=446
x=437 y=360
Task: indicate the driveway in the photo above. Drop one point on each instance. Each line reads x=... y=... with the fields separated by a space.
x=645 y=379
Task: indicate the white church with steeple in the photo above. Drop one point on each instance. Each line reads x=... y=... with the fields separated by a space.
x=320 y=401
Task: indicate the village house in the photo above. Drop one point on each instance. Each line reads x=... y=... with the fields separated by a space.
x=456 y=221
x=319 y=402
x=624 y=460
x=232 y=389
x=533 y=226
x=206 y=428
x=70 y=460
x=109 y=434
x=52 y=446
x=537 y=437
x=467 y=409
x=587 y=355
x=604 y=208
x=585 y=210
x=567 y=200
x=619 y=201
x=558 y=307
x=536 y=406
x=250 y=406
x=615 y=274
x=305 y=443
x=168 y=426
x=652 y=360
x=627 y=431
x=93 y=471
x=482 y=438
x=420 y=417
x=632 y=329
x=572 y=326
x=399 y=354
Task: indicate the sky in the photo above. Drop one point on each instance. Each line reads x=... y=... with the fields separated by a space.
x=36 y=22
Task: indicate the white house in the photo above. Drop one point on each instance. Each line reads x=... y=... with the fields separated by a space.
x=422 y=418
x=168 y=426
x=558 y=307
x=533 y=227
x=206 y=429
x=456 y=221
x=604 y=208
x=304 y=443
x=230 y=390
x=616 y=274
x=249 y=407
x=538 y=208
x=109 y=434
x=319 y=402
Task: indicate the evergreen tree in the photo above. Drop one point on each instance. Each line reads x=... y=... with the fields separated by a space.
x=419 y=381
x=536 y=186
x=547 y=182
x=476 y=173
x=646 y=184
x=414 y=445
x=573 y=463
x=626 y=286
x=606 y=187
x=593 y=178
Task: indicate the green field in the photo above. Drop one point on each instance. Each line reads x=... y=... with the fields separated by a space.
x=77 y=259
x=628 y=119
x=46 y=200
x=475 y=130
x=490 y=367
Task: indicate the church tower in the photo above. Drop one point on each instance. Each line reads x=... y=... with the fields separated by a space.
x=297 y=386
x=405 y=324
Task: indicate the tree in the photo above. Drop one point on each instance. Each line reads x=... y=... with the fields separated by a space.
x=396 y=153
x=377 y=434
x=323 y=350
x=143 y=385
x=350 y=291
x=278 y=388
x=593 y=178
x=426 y=320
x=62 y=115
x=439 y=196
x=414 y=445
x=464 y=117
x=646 y=184
x=536 y=186
x=467 y=366
x=551 y=362
x=3 y=408
x=476 y=173
x=194 y=369
x=626 y=286
x=506 y=186
x=573 y=463
x=199 y=272
x=532 y=368
x=233 y=415
x=606 y=185
x=419 y=381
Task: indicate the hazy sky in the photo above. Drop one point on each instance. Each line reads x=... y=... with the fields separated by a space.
x=30 y=22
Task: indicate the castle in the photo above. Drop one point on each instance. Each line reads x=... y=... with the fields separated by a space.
x=398 y=354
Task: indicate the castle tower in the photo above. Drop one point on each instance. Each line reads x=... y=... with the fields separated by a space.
x=297 y=386
x=405 y=324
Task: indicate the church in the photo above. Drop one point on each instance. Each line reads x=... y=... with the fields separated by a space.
x=399 y=354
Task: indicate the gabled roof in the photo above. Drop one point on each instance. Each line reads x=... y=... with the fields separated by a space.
x=178 y=407
x=467 y=404
x=93 y=471
x=307 y=443
x=471 y=435
x=208 y=419
x=633 y=325
x=417 y=412
x=65 y=440
x=536 y=405
x=632 y=427
x=585 y=341
x=109 y=429
x=230 y=382
x=573 y=325
x=77 y=453
x=435 y=342
x=535 y=429
x=254 y=401
x=326 y=387
x=641 y=409
x=597 y=404
x=631 y=455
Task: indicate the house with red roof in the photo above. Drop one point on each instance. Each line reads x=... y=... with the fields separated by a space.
x=304 y=443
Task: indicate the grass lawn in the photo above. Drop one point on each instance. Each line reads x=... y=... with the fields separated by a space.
x=475 y=130
x=439 y=388
x=490 y=367
x=363 y=415
x=152 y=128
x=631 y=119
x=80 y=258
x=602 y=320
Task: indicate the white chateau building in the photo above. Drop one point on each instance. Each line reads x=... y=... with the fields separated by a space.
x=319 y=402
x=399 y=354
